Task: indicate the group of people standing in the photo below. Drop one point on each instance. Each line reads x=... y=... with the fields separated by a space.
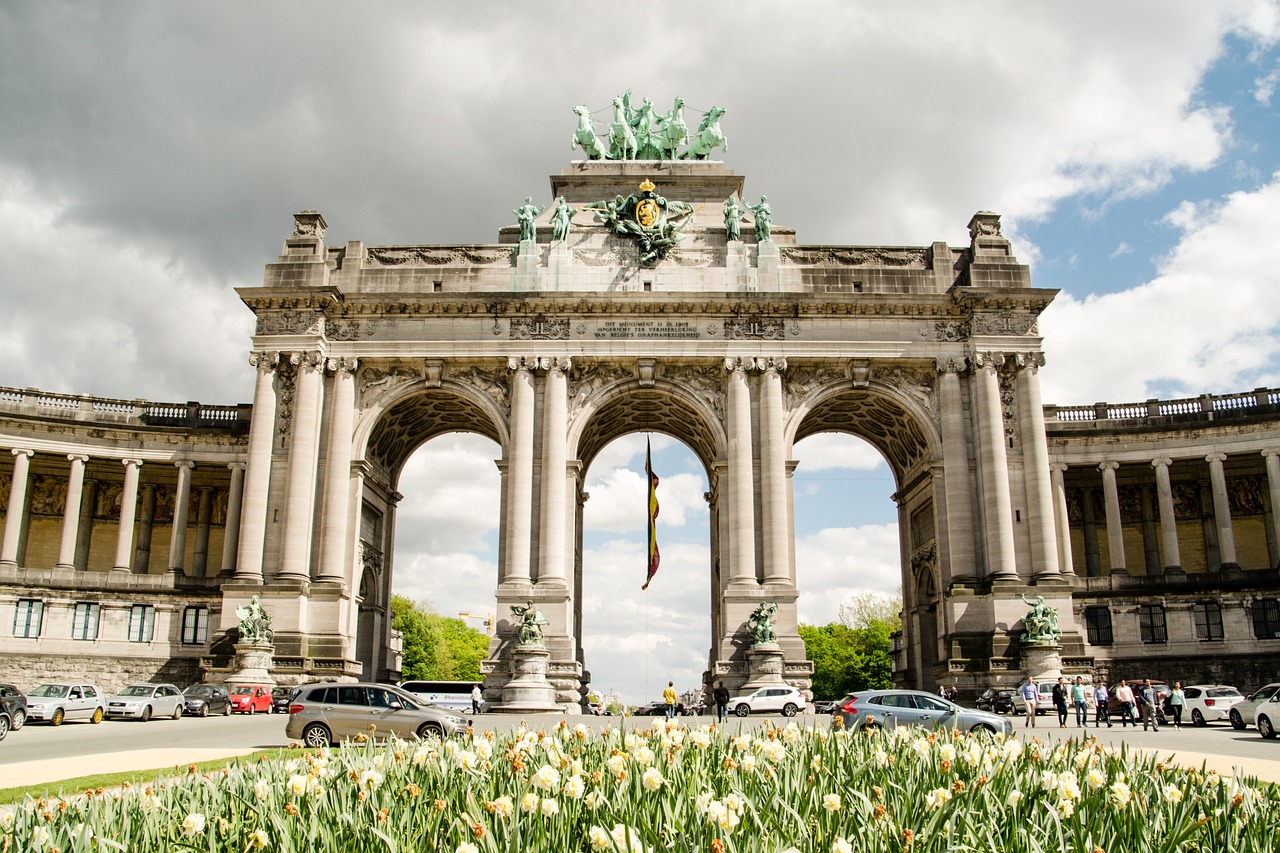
x=1133 y=704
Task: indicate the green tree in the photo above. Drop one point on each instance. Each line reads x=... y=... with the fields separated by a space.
x=467 y=647
x=847 y=659
x=436 y=647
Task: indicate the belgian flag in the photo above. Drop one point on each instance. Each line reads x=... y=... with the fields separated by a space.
x=654 y=556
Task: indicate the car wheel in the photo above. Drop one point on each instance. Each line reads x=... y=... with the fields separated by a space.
x=742 y=710
x=788 y=710
x=97 y=716
x=1265 y=728
x=430 y=731
x=1197 y=718
x=251 y=709
x=4 y=726
x=177 y=712
x=58 y=716
x=146 y=713
x=204 y=709
x=982 y=728
x=1237 y=721
x=226 y=710
x=317 y=735
x=19 y=720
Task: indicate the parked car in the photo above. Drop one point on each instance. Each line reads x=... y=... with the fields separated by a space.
x=650 y=709
x=1162 y=691
x=997 y=700
x=14 y=704
x=1244 y=714
x=893 y=708
x=1210 y=703
x=250 y=699
x=57 y=702
x=784 y=700
x=144 y=701
x=280 y=697
x=824 y=706
x=1267 y=716
x=323 y=713
x=5 y=722
x=201 y=700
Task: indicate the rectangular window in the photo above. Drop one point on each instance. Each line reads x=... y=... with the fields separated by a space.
x=1151 y=623
x=195 y=625
x=142 y=623
x=27 y=618
x=84 y=621
x=1097 y=623
x=1266 y=618
x=1208 y=620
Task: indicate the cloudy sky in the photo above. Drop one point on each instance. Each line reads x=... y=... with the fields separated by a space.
x=152 y=155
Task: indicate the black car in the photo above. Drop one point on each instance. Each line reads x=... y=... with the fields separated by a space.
x=13 y=703
x=824 y=706
x=201 y=700
x=280 y=698
x=997 y=700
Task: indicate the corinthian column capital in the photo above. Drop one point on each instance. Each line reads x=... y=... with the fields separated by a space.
x=1161 y=462
x=951 y=365
x=1216 y=457
x=1029 y=360
x=1103 y=466
x=264 y=360
x=342 y=364
x=990 y=360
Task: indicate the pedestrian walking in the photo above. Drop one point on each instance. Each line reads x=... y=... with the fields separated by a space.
x=1124 y=695
x=1177 y=701
x=670 y=698
x=721 y=697
x=1060 y=702
x=476 y=696
x=1147 y=699
x=1079 y=698
x=1030 y=698
x=1102 y=713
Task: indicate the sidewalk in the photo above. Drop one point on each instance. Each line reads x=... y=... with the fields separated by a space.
x=53 y=770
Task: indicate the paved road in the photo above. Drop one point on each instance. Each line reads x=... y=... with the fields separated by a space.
x=40 y=754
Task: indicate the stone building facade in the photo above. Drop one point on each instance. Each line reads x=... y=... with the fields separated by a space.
x=552 y=348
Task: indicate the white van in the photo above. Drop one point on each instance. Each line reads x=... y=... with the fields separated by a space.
x=444 y=694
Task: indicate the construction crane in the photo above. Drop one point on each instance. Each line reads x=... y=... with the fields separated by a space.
x=487 y=618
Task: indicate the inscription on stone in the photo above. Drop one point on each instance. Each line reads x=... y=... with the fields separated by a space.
x=647 y=329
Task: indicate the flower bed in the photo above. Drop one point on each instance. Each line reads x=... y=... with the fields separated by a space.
x=668 y=787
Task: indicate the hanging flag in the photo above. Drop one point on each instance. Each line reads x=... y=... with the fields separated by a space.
x=654 y=556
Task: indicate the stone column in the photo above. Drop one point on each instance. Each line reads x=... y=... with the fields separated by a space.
x=742 y=527
x=1273 y=486
x=17 y=508
x=128 y=509
x=84 y=536
x=181 y=511
x=996 y=501
x=1035 y=467
x=555 y=418
x=71 y=512
x=1061 y=521
x=955 y=472
x=520 y=474
x=337 y=473
x=774 y=514
x=300 y=494
x=231 y=526
x=146 y=526
x=257 y=478
x=1168 y=521
x=1115 y=529
x=204 y=516
x=1222 y=510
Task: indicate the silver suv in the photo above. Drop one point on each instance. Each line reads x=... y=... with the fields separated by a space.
x=323 y=713
x=784 y=700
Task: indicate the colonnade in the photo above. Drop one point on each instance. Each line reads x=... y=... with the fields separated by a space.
x=134 y=533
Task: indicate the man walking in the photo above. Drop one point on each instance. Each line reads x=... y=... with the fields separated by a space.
x=1147 y=697
x=1030 y=697
x=1124 y=695
x=475 y=698
x=1103 y=713
x=669 y=697
x=1079 y=698
x=721 y=697
x=1060 y=702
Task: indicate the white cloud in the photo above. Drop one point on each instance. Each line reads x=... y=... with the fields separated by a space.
x=830 y=451
x=1123 y=249
x=833 y=564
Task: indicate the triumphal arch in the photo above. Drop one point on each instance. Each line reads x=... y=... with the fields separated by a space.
x=647 y=291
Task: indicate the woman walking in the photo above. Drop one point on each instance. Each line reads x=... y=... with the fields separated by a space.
x=1177 y=701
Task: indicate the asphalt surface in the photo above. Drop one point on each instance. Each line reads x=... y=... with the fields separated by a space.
x=42 y=754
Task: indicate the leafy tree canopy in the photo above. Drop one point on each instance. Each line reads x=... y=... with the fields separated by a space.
x=436 y=648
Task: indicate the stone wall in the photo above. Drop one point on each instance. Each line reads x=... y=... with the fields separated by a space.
x=27 y=671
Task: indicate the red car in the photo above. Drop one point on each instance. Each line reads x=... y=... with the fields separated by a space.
x=250 y=699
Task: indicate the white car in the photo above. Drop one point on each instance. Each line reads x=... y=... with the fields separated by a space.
x=1210 y=703
x=144 y=701
x=54 y=703
x=1243 y=714
x=784 y=700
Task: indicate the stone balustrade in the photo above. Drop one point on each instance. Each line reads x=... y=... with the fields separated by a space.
x=85 y=407
x=1206 y=407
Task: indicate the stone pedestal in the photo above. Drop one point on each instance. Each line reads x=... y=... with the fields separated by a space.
x=764 y=666
x=528 y=691
x=1042 y=662
x=769 y=264
x=253 y=665
x=738 y=266
x=558 y=261
x=526 y=277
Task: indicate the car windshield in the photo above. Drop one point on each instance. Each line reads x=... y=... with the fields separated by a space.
x=281 y=692
x=199 y=690
x=1224 y=692
x=49 y=691
x=1265 y=693
x=242 y=691
x=137 y=690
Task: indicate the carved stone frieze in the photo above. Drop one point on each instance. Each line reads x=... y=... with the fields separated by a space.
x=705 y=382
x=287 y=376
x=1186 y=501
x=1008 y=401
x=851 y=257
x=291 y=323
x=436 y=257
x=603 y=258
x=494 y=384
x=804 y=380
x=590 y=379
x=695 y=257
x=374 y=380
x=1005 y=323
x=755 y=328
x=1245 y=495
x=346 y=330
x=539 y=328
x=945 y=330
